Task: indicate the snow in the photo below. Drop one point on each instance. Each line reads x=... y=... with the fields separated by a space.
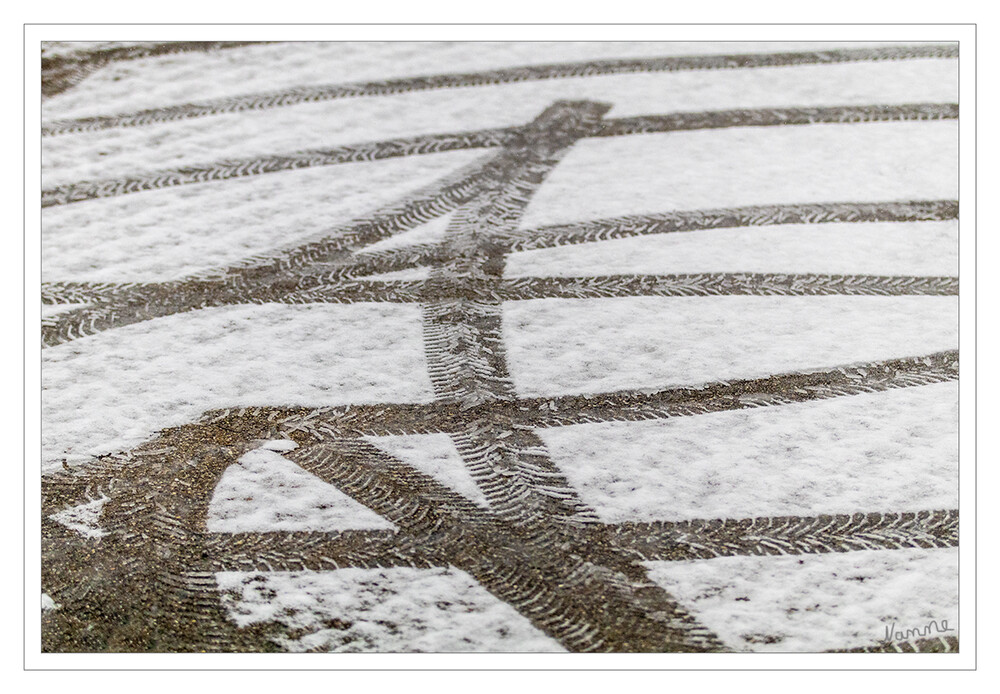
x=52 y=310
x=892 y=451
x=877 y=452
x=434 y=455
x=84 y=518
x=167 y=80
x=174 y=232
x=265 y=492
x=381 y=610
x=109 y=391
x=888 y=248
x=413 y=274
x=428 y=232
x=564 y=346
x=659 y=172
x=125 y=151
x=816 y=602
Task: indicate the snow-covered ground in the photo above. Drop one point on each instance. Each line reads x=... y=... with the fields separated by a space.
x=892 y=451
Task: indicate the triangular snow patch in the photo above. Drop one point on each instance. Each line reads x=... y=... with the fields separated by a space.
x=428 y=232
x=434 y=455
x=266 y=492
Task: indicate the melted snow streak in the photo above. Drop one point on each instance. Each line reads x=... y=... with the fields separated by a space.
x=518 y=74
x=370 y=151
x=707 y=539
x=65 y=69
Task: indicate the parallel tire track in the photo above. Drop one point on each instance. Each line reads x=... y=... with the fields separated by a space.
x=300 y=95
x=226 y=170
x=497 y=137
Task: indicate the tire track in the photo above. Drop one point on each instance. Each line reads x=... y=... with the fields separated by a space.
x=584 y=605
x=782 y=389
x=612 y=286
x=753 y=118
x=257 y=279
x=537 y=547
x=241 y=168
x=581 y=585
x=725 y=284
x=785 y=535
x=725 y=218
x=623 y=406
